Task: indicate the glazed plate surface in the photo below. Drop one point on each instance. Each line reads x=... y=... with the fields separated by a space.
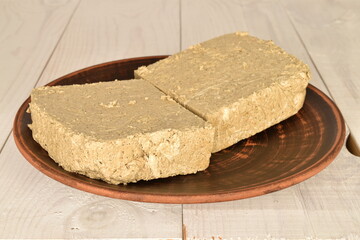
x=281 y=156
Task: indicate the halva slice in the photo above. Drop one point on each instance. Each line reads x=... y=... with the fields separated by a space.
x=119 y=131
x=238 y=83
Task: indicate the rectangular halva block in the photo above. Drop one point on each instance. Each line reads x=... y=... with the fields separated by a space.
x=119 y=131
x=238 y=83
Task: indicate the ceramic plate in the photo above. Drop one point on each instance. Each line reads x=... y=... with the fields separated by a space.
x=279 y=157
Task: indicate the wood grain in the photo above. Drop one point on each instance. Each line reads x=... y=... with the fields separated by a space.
x=30 y=31
x=112 y=30
x=300 y=211
x=327 y=207
x=202 y=20
x=38 y=207
x=331 y=34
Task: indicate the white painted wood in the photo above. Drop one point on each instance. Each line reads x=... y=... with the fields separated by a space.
x=279 y=215
x=202 y=20
x=306 y=210
x=35 y=206
x=112 y=30
x=29 y=31
x=326 y=206
x=332 y=198
x=331 y=33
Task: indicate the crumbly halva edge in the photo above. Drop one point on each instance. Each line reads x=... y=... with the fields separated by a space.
x=139 y=157
x=292 y=92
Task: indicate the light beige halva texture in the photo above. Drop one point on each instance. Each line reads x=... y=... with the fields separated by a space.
x=120 y=131
x=238 y=83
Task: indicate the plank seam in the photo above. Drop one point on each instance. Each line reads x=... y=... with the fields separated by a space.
x=6 y=140
x=46 y=64
x=307 y=51
x=57 y=43
x=354 y=149
x=302 y=202
x=183 y=227
x=180 y=25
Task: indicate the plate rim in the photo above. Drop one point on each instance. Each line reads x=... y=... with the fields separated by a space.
x=87 y=186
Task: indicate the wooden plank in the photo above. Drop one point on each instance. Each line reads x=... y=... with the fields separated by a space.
x=38 y=207
x=330 y=32
x=30 y=31
x=202 y=20
x=329 y=39
x=115 y=30
x=332 y=199
x=327 y=206
x=304 y=210
x=276 y=215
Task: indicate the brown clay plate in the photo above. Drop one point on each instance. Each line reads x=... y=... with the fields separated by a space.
x=276 y=158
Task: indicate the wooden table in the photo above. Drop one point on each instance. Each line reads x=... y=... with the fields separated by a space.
x=43 y=40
